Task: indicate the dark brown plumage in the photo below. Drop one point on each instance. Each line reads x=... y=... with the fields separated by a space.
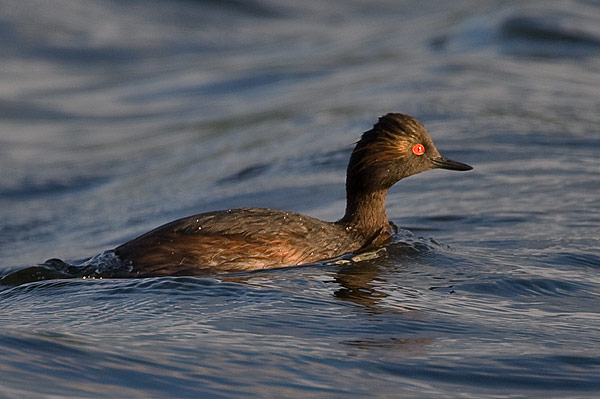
x=251 y=238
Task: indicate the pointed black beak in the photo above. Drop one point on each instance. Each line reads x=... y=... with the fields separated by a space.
x=445 y=163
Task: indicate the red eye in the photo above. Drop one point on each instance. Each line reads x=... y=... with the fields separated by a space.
x=418 y=149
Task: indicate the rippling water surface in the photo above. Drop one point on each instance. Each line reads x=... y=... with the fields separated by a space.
x=116 y=117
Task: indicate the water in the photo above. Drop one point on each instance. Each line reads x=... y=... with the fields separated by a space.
x=116 y=117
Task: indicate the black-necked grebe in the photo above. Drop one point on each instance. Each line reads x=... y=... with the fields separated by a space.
x=396 y=147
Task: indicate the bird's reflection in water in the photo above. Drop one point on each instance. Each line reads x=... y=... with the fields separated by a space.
x=358 y=282
x=357 y=279
x=360 y=279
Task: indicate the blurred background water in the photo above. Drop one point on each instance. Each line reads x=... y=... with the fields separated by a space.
x=118 y=116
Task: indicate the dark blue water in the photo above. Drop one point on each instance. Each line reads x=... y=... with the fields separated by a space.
x=116 y=117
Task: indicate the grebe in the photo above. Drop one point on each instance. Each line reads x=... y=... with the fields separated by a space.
x=246 y=239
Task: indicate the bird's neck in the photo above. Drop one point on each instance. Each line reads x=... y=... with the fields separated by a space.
x=365 y=213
